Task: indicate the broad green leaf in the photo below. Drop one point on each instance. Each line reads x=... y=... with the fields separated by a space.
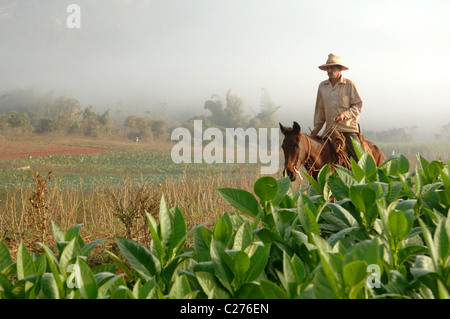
x=434 y=253
x=299 y=267
x=333 y=239
x=145 y=290
x=368 y=250
x=243 y=237
x=434 y=169
x=249 y=291
x=368 y=166
x=74 y=232
x=58 y=235
x=343 y=214
x=441 y=240
x=316 y=189
x=49 y=286
x=356 y=196
x=266 y=188
x=404 y=164
x=338 y=188
x=86 y=249
x=443 y=291
x=323 y=176
x=54 y=266
x=5 y=256
x=289 y=277
x=180 y=287
x=202 y=239
x=165 y=221
x=259 y=256
x=71 y=251
x=398 y=224
x=179 y=230
x=121 y=264
x=240 y=199
x=395 y=189
x=25 y=263
x=392 y=165
x=223 y=229
x=267 y=236
x=122 y=292
x=156 y=240
x=6 y=288
x=357 y=170
x=211 y=286
x=306 y=217
x=271 y=290
x=109 y=287
x=139 y=257
x=423 y=265
x=239 y=264
x=323 y=247
x=359 y=150
x=408 y=251
x=223 y=272
x=40 y=262
x=322 y=288
x=355 y=272
x=284 y=189
x=85 y=280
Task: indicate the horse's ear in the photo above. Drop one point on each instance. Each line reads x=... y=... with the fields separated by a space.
x=282 y=128
x=297 y=128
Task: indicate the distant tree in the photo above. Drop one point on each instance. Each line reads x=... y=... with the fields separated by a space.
x=445 y=133
x=63 y=107
x=228 y=114
x=159 y=129
x=403 y=134
x=46 y=124
x=96 y=125
x=215 y=106
x=266 y=117
x=137 y=127
x=16 y=120
x=234 y=115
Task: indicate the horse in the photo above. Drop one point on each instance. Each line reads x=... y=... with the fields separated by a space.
x=313 y=153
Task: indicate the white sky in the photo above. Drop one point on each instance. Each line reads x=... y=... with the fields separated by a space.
x=181 y=52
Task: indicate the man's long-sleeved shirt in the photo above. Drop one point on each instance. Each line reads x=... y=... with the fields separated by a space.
x=332 y=101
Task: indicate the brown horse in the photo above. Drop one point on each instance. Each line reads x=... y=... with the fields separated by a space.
x=313 y=153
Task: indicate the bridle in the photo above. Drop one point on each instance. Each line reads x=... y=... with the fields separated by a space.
x=310 y=167
x=305 y=162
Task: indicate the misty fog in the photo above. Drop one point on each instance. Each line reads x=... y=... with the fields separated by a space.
x=169 y=57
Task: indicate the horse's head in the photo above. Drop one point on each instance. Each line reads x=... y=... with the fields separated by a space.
x=294 y=152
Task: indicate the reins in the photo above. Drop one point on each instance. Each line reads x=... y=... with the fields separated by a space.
x=305 y=162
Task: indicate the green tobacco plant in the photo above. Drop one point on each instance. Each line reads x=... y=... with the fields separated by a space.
x=369 y=232
x=61 y=276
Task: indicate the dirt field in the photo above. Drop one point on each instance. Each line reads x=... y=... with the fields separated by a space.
x=24 y=149
x=42 y=148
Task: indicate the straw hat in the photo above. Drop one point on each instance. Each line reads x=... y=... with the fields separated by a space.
x=333 y=60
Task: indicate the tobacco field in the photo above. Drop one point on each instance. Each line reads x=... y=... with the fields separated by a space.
x=373 y=232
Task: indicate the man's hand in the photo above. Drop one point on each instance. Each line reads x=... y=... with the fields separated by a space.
x=338 y=119
x=314 y=132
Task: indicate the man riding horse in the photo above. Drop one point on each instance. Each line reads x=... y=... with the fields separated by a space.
x=339 y=105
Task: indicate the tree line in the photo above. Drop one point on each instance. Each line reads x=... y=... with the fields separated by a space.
x=26 y=111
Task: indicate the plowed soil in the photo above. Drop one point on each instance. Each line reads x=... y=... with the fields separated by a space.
x=24 y=149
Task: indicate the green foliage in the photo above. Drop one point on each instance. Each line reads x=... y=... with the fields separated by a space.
x=373 y=232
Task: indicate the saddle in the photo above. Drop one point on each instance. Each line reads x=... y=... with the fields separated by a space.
x=337 y=141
